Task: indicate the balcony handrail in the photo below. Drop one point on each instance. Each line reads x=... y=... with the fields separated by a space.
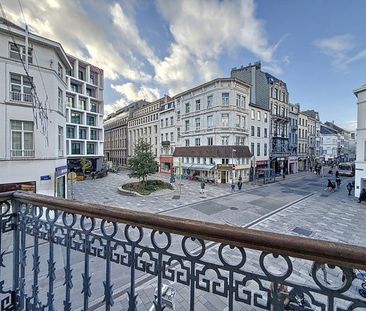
x=334 y=253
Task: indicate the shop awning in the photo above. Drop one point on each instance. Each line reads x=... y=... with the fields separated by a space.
x=202 y=167
x=186 y=165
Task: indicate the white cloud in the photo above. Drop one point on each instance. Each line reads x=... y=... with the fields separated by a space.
x=202 y=33
x=67 y=22
x=131 y=93
x=337 y=48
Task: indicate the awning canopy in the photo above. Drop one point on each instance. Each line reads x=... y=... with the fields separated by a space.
x=202 y=167
x=186 y=165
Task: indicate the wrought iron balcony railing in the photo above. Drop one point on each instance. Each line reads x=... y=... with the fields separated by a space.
x=66 y=255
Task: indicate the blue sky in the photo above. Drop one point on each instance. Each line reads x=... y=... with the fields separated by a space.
x=151 y=48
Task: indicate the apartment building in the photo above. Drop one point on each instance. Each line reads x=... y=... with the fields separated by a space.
x=32 y=112
x=360 y=177
x=343 y=138
x=268 y=92
x=115 y=137
x=313 y=136
x=303 y=143
x=259 y=124
x=293 y=139
x=168 y=136
x=328 y=144
x=84 y=114
x=214 y=131
x=143 y=123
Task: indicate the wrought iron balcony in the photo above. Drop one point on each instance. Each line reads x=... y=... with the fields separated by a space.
x=66 y=255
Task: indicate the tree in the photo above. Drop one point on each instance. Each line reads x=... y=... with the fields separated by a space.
x=85 y=165
x=143 y=162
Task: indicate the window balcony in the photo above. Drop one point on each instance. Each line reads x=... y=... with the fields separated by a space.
x=21 y=97
x=19 y=153
x=67 y=255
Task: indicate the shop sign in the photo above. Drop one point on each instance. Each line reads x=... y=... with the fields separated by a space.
x=225 y=167
x=61 y=170
x=46 y=177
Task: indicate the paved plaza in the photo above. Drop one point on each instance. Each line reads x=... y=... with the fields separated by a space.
x=298 y=205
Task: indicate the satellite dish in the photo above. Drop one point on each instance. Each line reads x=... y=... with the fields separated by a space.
x=71 y=176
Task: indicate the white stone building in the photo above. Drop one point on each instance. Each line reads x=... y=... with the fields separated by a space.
x=168 y=136
x=84 y=112
x=328 y=144
x=214 y=118
x=303 y=143
x=259 y=125
x=360 y=178
x=29 y=159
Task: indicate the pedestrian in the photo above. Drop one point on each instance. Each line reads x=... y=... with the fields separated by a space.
x=203 y=185
x=330 y=185
x=330 y=172
x=232 y=187
x=322 y=267
x=338 y=181
x=337 y=174
x=349 y=188
x=240 y=184
x=283 y=175
x=362 y=196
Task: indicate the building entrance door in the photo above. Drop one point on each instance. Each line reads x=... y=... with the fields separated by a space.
x=223 y=177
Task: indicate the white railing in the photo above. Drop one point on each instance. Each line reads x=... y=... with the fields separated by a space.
x=22 y=153
x=21 y=97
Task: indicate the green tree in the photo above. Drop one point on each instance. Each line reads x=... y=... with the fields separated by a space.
x=85 y=165
x=143 y=162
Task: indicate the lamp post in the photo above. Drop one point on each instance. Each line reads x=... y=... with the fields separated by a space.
x=232 y=166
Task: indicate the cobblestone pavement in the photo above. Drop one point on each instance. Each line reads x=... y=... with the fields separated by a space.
x=328 y=216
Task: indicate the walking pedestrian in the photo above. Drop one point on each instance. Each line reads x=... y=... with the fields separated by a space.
x=349 y=188
x=203 y=185
x=232 y=187
x=240 y=184
x=337 y=174
x=362 y=196
x=338 y=181
x=330 y=185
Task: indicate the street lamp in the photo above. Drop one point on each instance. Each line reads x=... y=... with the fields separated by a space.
x=232 y=166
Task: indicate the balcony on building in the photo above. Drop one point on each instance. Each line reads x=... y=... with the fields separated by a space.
x=61 y=254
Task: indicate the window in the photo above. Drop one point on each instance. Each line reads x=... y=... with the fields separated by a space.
x=258 y=149
x=258 y=115
x=82 y=133
x=252 y=148
x=187 y=125
x=258 y=131
x=209 y=121
x=225 y=99
x=265 y=149
x=252 y=114
x=238 y=100
x=90 y=148
x=198 y=123
x=209 y=141
x=243 y=121
x=198 y=105
x=178 y=132
x=275 y=93
x=178 y=115
x=265 y=117
x=166 y=122
x=197 y=142
x=224 y=140
x=81 y=75
x=60 y=101
x=60 y=141
x=60 y=71
x=171 y=136
x=94 y=107
x=22 y=144
x=240 y=140
x=225 y=120
x=20 y=87
x=70 y=132
x=161 y=137
x=209 y=101
x=252 y=129
x=82 y=103
x=70 y=101
x=161 y=123
x=238 y=119
x=171 y=121
x=90 y=120
x=265 y=133
x=75 y=118
x=187 y=108
x=17 y=50
x=187 y=142
x=75 y=148
x=93 y=134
